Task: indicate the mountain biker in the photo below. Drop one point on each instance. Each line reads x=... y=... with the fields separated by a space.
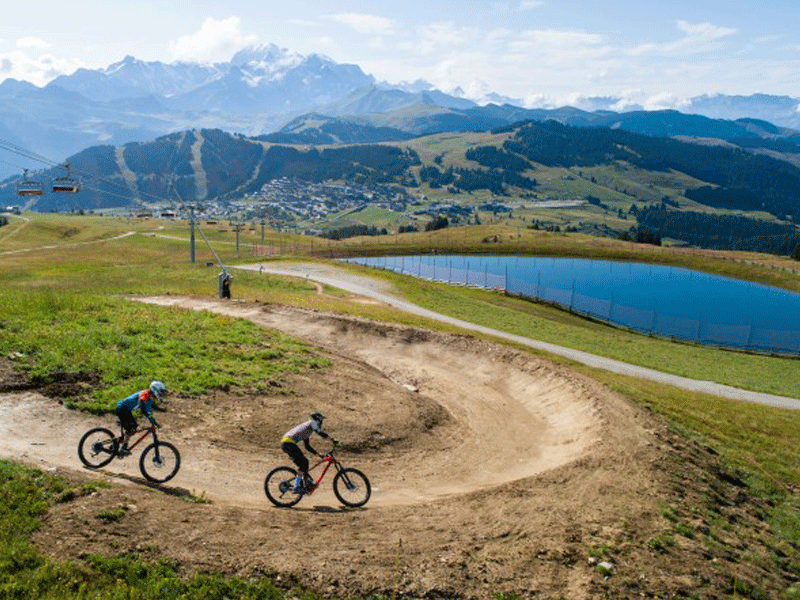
x=289 y=444
x=143 y=400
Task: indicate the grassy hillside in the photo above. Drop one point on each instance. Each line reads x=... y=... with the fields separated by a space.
x=63 y=318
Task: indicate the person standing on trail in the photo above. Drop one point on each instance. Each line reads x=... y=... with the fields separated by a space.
x=225 y=285
x=289 y=444
x=143 y=400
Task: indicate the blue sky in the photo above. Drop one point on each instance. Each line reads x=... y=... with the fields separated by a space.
x=543 y=52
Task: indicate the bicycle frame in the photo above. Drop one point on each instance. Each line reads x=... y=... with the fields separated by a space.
x=329 y=459
x=145 y=432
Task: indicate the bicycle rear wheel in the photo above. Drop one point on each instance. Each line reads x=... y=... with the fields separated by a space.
x=352 y=487
x=160 y=462
x=279 y=487
x=97 y=447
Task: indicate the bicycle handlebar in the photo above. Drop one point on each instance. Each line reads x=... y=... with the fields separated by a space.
x=334 y=444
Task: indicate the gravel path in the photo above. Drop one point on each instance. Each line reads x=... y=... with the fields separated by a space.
x=378 y=290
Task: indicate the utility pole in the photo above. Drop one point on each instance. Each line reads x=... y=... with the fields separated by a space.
x=191 y=232
x=237 y=227
x=191 y=223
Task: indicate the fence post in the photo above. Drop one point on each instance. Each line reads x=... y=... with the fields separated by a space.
x=611 y=306
x=749 y=336
x=572 y=296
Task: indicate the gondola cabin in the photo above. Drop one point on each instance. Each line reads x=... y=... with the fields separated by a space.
x=67 y=188
x=66 y=184
x=28 y=186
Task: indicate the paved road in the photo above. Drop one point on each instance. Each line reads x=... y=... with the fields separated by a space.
x=377 y=289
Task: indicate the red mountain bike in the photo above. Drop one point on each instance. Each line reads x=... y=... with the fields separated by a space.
x=350 y=485
x=159 y=461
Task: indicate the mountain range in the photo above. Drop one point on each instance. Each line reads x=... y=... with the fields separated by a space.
x=272 y=92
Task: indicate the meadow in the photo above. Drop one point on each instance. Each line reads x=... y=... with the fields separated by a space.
x=64 y=315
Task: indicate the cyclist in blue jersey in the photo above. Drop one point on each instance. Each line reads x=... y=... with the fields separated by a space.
x=143 y=400
x=289 y=444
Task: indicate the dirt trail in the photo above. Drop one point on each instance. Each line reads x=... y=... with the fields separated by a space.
x=508 y=423
x=482 y=458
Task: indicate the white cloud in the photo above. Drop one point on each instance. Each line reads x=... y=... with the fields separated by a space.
x=365 y=24
x=556 y=41
x=215 y=41
x=704 y=30
x=32 y=42
x=38 y=70
x=698 y=37
x=665 y=101
x=444 y=35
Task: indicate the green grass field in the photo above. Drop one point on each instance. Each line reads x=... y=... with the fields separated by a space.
x=62 y=311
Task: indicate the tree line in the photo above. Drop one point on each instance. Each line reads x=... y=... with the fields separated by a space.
x=352 y=231
x=722 y=232
x=495 y=180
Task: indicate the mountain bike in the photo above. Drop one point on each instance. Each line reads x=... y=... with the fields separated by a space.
x=159 y=461
x=351 y=486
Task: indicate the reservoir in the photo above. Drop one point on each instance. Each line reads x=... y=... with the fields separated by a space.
x=652 y=299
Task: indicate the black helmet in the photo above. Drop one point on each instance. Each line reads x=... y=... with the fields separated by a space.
x=317 y=417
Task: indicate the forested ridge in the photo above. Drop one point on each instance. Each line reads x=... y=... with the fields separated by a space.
x=724 y=232
x=745 y=181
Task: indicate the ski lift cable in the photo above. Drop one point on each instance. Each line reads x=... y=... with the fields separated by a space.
x=16 y=149
x=17 y=167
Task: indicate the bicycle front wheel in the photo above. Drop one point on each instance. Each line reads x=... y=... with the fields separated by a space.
x=279 y=487
x=97 y=447
x=160 y=462
x=352 y=487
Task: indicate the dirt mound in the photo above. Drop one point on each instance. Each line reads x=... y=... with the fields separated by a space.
x=492 y=470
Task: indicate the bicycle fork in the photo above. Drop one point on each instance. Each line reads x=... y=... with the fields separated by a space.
x=156 y=452
x=340 y=470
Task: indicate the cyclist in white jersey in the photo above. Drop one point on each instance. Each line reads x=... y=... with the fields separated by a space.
x=290 y=441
